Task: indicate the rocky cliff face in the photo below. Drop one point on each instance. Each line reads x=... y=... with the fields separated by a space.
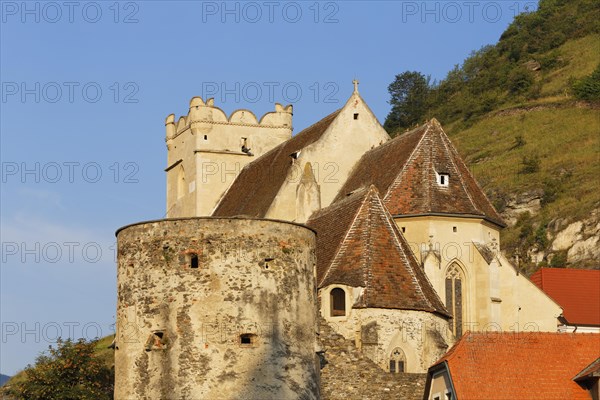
x=560 y=242
x=580 y=239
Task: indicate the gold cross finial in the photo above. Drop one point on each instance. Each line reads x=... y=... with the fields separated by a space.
x=355 y=82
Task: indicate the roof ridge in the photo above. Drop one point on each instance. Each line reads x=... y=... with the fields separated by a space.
x=342 y=244
x=368 y=254
x=338 y=204
x=395 y=234
x=396 y=181
x=460 y=177
x=248 y=195
x=459 y=160
x=281 y=145
x=430 y=166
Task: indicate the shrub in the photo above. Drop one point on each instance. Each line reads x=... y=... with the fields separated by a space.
x=588 y=88
x=519 y=142
x=559 y=260
x=519 y=81
x=69 y=371
x=530 y=164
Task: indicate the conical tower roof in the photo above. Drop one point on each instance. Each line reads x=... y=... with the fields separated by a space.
x=359 y=245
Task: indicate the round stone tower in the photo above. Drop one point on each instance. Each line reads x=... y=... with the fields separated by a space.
x=216 y=308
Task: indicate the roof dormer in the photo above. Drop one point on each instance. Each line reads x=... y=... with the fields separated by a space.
x=442 y=178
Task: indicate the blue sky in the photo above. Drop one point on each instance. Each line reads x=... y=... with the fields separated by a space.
x=86 y=87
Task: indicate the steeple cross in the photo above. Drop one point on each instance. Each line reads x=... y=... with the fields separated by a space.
x=355 y=82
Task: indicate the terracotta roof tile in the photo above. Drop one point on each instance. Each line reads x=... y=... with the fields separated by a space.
x=577 y=291
x=526 y=365
x=359 y=245
x=404 y=171
x=255 y=188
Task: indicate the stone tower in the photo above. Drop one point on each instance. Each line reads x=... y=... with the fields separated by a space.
x=206 y=151
x=216 y=308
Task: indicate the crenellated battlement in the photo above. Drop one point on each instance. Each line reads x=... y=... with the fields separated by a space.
x=205 y=112
x=209 y=148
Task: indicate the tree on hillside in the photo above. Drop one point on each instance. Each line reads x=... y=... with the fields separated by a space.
x=588 y=88
x=68 y=371
x=408 y=97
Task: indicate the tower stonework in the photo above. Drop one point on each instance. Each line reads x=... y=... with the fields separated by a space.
x=216 y=308
x=206 y=151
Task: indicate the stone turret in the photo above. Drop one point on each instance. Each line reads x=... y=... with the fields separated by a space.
x=216 y=308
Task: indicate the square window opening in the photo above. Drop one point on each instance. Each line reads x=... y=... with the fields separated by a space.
x=247 y=339
x=356 y=116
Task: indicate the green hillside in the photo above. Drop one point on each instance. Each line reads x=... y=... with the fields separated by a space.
x=517 y=114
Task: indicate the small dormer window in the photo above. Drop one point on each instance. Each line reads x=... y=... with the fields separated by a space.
x=442 y=179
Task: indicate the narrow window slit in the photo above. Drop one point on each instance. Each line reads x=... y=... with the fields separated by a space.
x=194 y=260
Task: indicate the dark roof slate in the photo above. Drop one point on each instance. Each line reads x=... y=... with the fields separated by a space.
x=257 y=185
x=359 y=245
x=404 y=171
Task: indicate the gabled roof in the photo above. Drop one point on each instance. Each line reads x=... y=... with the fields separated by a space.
x=404 y=171
x=521 y=365
x=257 y=185
x=591 y=371
x=577 y=291
x=359 y=245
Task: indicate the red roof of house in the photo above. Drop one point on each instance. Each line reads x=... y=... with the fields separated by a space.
x=591 y=371
x=577 y=291
x=525 y=365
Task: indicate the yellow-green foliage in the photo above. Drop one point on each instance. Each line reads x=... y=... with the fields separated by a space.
x=101 y=352
x=580 y=58
x=567 y=142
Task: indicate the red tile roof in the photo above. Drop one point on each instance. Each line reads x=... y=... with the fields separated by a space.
x=359 y=245
x=404 y=171
x=526 y=365
x=577 y=291
x=257 y=185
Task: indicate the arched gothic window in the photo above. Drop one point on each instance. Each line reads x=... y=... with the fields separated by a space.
x=455 y=297
x=397 y=360
x=180 y=182
x=337 y=298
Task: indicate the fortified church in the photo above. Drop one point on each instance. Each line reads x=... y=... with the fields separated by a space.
x=337 y=234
